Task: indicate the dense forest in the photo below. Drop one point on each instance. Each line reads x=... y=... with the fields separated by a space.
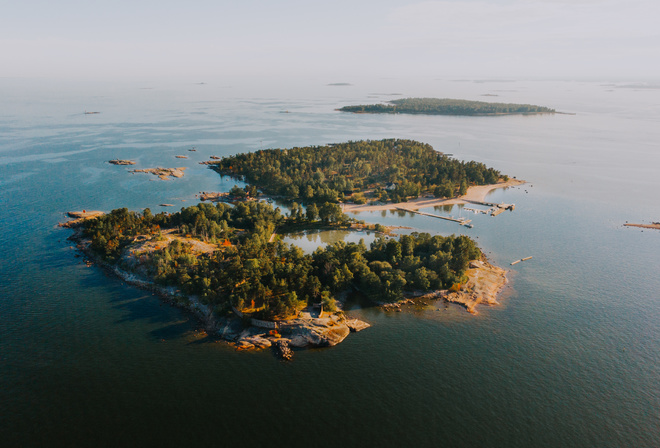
x=271 y=279
x=320 y=174
x=445 y=106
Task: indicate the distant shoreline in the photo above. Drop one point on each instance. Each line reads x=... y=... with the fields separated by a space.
x=493 y=114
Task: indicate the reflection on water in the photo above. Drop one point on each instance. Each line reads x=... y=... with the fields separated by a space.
x=310 y=240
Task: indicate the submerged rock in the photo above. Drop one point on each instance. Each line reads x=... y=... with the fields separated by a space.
x=284 y=350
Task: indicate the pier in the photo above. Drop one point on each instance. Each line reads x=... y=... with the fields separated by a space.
x=497 y=208
x=522 y=259
x=461 y=221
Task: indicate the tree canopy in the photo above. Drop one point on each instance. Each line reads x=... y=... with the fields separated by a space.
x=320 y=174
x=272 y=279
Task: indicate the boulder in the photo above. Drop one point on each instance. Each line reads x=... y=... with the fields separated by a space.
x=307 y=333
x=356 y=325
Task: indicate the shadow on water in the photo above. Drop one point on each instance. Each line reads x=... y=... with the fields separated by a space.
x=136 y=305
x=173 y=330
x=205 y=338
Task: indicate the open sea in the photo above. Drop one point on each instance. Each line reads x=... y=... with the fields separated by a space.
x=571 y=357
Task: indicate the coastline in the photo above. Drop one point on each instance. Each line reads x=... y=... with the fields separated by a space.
x=484 y=285
x=474 y=193
x=324 y=330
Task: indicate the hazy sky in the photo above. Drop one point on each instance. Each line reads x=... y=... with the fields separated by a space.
x=477 y=38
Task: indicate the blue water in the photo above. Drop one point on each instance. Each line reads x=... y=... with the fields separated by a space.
x=569 y=358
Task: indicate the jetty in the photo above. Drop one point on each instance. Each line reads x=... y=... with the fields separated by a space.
x=522 y=259
x=496 y=208
x=461 y=221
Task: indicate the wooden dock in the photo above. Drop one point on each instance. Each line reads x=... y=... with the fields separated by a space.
x=522 y=259
x=461 y=221
x=498 y=208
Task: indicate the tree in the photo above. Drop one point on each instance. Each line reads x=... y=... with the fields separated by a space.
x=330 y=212
x=312 y=212
x=237 y=192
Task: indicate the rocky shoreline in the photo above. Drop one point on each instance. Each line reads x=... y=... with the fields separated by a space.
x=80 y=217
x=484 y=284
x=305 y=331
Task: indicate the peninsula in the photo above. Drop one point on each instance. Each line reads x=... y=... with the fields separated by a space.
x=446 y=106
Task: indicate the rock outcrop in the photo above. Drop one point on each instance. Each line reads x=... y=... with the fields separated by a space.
x=163 y=173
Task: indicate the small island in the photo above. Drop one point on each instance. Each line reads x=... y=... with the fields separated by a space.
x=121 y=162
x=224 y=264
x=380 y=171
x=446 y=106
x=163 y=173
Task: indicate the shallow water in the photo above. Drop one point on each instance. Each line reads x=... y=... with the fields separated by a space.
x=570 y=358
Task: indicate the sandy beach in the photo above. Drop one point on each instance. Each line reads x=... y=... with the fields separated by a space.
x=476 y=193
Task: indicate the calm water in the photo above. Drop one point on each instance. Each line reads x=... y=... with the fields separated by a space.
x=570 y=358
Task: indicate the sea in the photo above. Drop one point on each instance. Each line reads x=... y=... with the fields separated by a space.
x=570 y=357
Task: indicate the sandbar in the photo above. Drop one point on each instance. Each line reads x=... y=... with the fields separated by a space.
x=655 y=225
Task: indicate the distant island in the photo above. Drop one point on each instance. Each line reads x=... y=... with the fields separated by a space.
x=445 y=106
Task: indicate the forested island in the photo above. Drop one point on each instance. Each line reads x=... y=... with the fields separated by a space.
x=446 y=106
x=223 y=262
x=390 y=169
x=224 y=255
x=226 y=263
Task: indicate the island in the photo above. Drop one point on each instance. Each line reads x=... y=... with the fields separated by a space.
x=163 y=173
x=121 y=162
x=446 y=106
x=221 y=262
x=380 y=171
x=226 y=263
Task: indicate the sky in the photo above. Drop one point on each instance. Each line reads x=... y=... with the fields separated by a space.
x=451 y=38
